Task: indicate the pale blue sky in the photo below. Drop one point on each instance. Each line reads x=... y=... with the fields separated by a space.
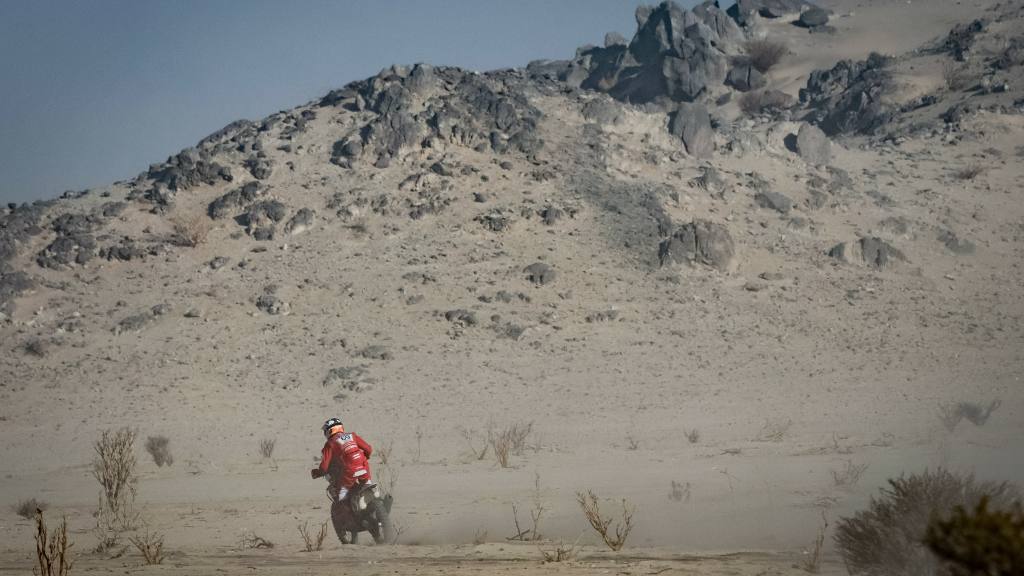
x=92 y=92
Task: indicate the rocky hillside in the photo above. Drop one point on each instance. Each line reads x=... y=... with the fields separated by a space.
x=650 y=211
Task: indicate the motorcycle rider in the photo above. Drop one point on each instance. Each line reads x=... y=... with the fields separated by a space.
x=346 y=460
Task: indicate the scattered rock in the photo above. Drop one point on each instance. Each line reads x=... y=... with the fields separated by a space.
x=461 y=316
x=188 y=169
x=813 y=18
x=540 y=273
x=135 y=323
x=604 y=111
x=873 y=251
x=698 y=242
x=961 y=38
x=12 y=285
x=125 y=250
x=813 y=145
x=376 y=352
x=235 y=201
x=774 y=201
x=270 y=303
x=349 y=378
x=218 y=262
x=301 y=222
x=551 y=214
x=259 y=167
x=743 y=10
x=956 y=244
x=710 y=180
x=744 y=78
x=692 y=123
x=496 y=221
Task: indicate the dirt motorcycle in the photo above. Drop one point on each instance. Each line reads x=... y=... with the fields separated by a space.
x=367 y=509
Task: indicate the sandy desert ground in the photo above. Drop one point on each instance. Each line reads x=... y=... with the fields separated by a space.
x=790 y=365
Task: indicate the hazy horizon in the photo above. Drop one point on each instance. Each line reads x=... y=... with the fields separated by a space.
x=96 y=92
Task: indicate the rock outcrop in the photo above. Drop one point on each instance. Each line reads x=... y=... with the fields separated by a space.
x=848 y=97
x=676 y=54
x=427 y=107
x=699 y=242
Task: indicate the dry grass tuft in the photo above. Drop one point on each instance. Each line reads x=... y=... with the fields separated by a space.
x=774 y=430
x=267 y=447
x=159 y=448
x=251 y=541
x=536 y=513
x=478 y=450
x=692 y=436
x=764 y=53
x=150 y=545
x=757 y=102
x=957 y=77
x=969 y=172
x=812 y=563
x=191 y=231
x=510 y=441
x=27 y=508
x=849 y=476
x=52 y=550
x=313 y=542
x=591 y=507
x=951 y=414
x=561 y=552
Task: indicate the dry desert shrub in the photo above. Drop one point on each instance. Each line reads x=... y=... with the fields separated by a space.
x=313 y=542
x=27 y=508
x=190 y=231
x=764 y=53
x=511 y=440
x=950 y=414
x=888 y=537
x=988 y=542
x=267 y=447
x=561 y=552
x=477 y=449
x=52 y=550
x=36 y=347
x=252 y=541
x=679 y=492
x=536 y=513
x=693 y=435
x=758 y=102
x=114 y=467
x=956 y=76
x=812 y=563
x=159 y=448
x=848 y=476
x=591 y=506
x=150 y=545
x=969 y=172
x=774 y=430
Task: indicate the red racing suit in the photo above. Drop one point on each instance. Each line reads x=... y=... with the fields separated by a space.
x=346 y=460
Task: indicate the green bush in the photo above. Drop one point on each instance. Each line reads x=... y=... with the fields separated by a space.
x=983 y=542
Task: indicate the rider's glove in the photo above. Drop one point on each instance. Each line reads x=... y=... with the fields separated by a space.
x=315 y=473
